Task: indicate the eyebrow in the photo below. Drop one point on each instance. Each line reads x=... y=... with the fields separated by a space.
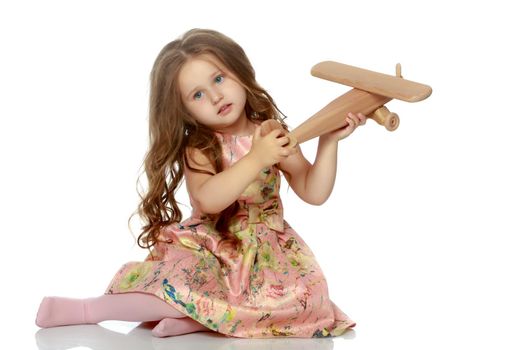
x=195 y=88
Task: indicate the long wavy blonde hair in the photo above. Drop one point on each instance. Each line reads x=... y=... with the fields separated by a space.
x=172 y=129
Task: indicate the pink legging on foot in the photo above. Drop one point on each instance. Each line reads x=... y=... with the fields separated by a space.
x=133 y=306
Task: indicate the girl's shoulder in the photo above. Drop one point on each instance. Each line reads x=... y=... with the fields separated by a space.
x=198 y=160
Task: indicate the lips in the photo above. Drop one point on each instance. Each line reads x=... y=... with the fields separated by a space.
x=223 y=108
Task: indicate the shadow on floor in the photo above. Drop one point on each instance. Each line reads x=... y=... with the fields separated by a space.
x=96 y=337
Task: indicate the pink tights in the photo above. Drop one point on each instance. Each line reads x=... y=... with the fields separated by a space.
x=134 y=307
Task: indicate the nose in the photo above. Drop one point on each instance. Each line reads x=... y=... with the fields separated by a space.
x=216 y=96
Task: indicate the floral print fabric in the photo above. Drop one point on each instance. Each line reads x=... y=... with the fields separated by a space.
x=269 y=286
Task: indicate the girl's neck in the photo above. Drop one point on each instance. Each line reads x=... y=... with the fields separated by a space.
x=244 y=127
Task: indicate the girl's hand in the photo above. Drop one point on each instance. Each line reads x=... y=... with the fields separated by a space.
x=269 y=149
x=353 y=122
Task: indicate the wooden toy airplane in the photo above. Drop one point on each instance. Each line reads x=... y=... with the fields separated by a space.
x=371 y=92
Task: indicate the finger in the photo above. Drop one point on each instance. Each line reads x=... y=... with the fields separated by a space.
x=276 y=132
x=257 y=132
x=284 y=152
x=291 y=150
x=358 y=119
x=283 y=140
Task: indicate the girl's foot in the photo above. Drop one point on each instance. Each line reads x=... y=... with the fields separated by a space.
x=57 y=311
x=168 y=327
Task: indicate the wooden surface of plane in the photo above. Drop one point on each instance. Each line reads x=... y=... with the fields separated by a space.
x=374 y=82
x=371 y=91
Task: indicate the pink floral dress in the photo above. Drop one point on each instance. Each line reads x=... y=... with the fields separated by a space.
x=271 y=286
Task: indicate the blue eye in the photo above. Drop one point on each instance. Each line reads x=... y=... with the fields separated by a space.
x=197 y=95
x=219 y=79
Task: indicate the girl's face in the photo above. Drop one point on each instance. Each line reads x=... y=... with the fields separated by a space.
x=211 y=95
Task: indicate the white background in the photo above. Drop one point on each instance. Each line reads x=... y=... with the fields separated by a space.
x=421 y=239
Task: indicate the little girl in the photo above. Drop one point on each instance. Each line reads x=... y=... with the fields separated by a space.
x=235 y=266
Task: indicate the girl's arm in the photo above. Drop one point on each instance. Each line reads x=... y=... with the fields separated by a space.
x=214 y=193
x=313 y=183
